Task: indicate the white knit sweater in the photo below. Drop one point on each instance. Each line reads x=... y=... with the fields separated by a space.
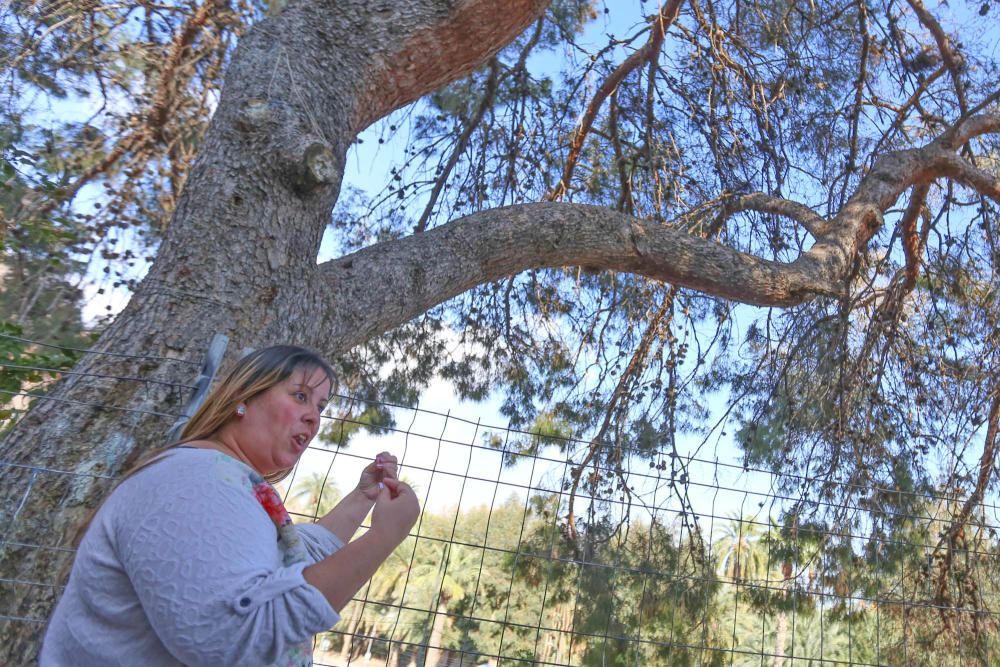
x=181 y=566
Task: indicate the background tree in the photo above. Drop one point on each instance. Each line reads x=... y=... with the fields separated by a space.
x=40 y=297
x=646 y=595
x=312 y=496
x=833 y=166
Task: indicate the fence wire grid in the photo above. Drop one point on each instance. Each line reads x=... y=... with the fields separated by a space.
x=678 y=560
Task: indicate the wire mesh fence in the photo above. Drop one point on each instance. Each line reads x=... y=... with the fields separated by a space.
x=523 y=556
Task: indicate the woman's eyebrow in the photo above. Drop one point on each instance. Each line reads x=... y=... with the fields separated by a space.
x=312 y=390
x=304 y=386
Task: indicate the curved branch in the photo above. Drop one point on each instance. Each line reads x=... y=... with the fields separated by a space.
x=453 y=40
x=912 y=239
x=960 y=170
x=951 y=60
x=895 y=172
x=418 y=272
x=800 y=213
x=975 y=126
x=647 y=53
x=493 y=244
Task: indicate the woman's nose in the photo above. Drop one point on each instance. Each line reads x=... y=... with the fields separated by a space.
x=311 y=416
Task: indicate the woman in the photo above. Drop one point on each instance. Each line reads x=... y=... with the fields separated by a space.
x=192 y=560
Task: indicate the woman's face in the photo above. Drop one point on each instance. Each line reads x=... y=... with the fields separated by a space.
x=281 y=422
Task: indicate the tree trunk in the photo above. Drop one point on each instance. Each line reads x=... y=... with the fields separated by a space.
x=434 y=650
x=239 y=258
x=780 y=640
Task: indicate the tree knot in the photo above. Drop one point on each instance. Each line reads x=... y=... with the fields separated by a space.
x=637 y=239
x=319 y=166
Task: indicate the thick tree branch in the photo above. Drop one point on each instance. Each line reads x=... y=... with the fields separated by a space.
x=970 y=128
x=494 y=244
x=498 y=243
x=912 y=239
x=960 y=170
x=456 y=39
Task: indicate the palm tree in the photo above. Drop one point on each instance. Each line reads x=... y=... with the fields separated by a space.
x=314 y=495
x=441 y=575
x=742 y=558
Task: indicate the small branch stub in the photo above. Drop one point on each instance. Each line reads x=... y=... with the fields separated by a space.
x=253 y=115
x=321 y=166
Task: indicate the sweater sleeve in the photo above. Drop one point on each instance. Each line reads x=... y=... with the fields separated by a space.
x=203 y=558
x=318 y=541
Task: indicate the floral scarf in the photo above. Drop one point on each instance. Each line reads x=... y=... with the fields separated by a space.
x=288 y=538
x=292 y=552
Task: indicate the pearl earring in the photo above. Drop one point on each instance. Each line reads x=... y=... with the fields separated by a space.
x=241 y=410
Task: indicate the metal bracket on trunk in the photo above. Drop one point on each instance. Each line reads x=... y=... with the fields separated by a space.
x=213 y=358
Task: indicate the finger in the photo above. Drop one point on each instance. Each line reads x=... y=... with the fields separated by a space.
x=385 y=461
x=393 y=486
x=386 y=465
x=403 y=488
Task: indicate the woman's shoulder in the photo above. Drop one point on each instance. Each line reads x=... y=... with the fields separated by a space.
x=191 y=496
x=188 y=471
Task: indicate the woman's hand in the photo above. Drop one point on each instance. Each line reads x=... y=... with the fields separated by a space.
x=373 y=477
x=379 y=475
x=341 y=575
x=395 y=512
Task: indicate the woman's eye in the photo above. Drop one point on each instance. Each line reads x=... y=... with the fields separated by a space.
x=300 y=396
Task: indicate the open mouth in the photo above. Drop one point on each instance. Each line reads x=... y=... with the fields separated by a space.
x=301 y=441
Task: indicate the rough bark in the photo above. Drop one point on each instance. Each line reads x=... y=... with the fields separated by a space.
x=240 y=255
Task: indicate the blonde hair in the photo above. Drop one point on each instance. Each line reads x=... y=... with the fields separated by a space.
x=252 y=375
